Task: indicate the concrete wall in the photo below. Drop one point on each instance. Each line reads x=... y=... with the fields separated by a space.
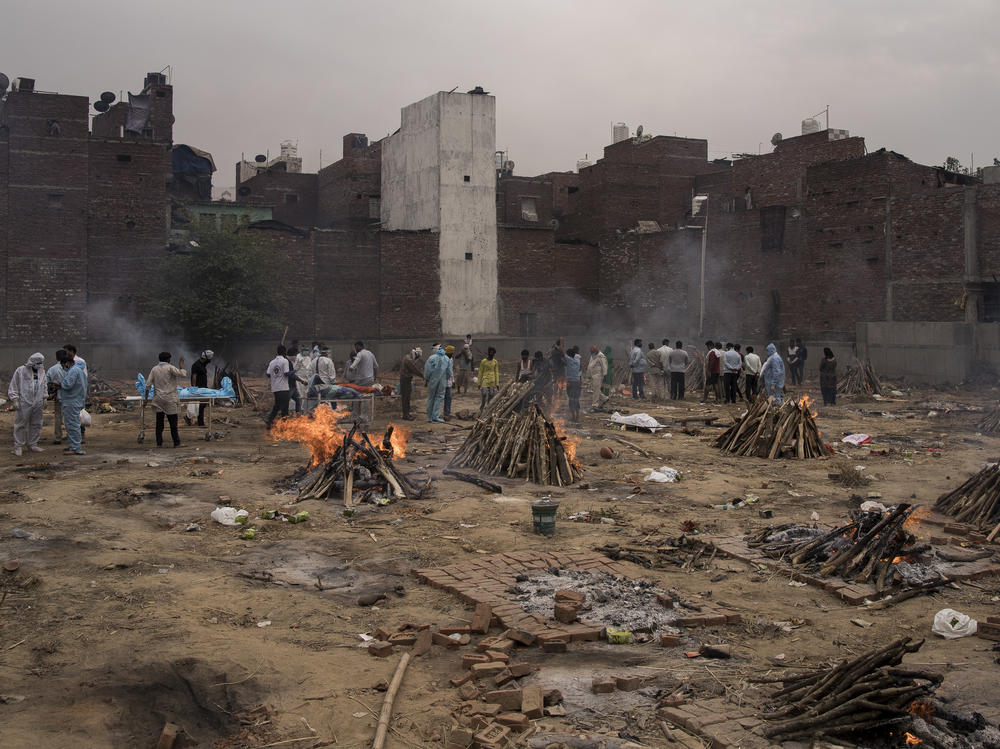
x=925 y=352
x=438 y=174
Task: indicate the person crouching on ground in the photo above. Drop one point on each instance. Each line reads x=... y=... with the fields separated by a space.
x=163 y=380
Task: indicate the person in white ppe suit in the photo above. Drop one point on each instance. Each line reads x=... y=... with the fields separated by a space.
x=27 y=392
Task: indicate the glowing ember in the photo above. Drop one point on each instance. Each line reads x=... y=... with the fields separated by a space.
x=570 y=442
x=805 y=402
x=400 y=436
x=912 y=740
x=919 y=514
x=920 y=709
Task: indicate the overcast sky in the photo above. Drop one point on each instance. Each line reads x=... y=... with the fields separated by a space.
x=917 y=76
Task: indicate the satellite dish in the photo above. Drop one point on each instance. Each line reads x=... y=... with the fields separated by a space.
x=776 y=139
x=101 y=106
x=260 y=158
x=638 y=132
x=4 y=82
x=107 y=97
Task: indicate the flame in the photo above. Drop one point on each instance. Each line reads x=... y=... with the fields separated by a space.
x=804 y=404
x=919 y=514
x=322 y=432
x=920 y=709
x=570 y=442
x=912 y=740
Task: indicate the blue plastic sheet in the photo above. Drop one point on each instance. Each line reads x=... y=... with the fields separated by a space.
x=226 y=391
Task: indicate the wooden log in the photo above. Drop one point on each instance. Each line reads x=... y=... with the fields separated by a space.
x=470 y=478
x=382 y=729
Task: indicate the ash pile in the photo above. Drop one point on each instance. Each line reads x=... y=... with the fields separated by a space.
x=635 y=606
x=877 y=547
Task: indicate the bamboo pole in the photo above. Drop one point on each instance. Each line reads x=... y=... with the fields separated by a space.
x=383 y=720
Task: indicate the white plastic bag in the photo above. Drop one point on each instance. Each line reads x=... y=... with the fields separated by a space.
x=85 y=420
x=192 y=410
x=952 y=624
x=228 y=515
x=665 y=475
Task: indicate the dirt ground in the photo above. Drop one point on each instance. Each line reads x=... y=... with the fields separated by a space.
x=120 y=618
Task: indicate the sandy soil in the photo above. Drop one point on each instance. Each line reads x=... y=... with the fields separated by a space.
x=120 y=619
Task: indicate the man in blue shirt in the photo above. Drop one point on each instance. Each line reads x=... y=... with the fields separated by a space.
x=574 y=385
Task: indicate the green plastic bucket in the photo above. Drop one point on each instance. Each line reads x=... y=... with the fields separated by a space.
x=543 y=514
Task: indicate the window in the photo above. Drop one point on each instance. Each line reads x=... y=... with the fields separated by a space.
x=772 y=228
x=468 y=256
x=291 y=198
x=55 y=200
x=991 y=302
x=124 y=158
x=528 y=324
x=466 y=178
x=529 y=211
x=374 y=207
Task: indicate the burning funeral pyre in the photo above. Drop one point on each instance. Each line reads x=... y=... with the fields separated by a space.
x=875 y=548
x=872 y=699
x=514 y=438
x=772 y=430
x=351 y=463
x=977 y=501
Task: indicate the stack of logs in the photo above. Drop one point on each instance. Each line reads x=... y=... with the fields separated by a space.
x=694 y=376
x=865 y=550
x=990 y=423
x=359 y=466
x=977 y=501
x=770 y=430
x=860 y=379
x=871 y=694
x=518 y=444
x=509 y=399
x=244 y=395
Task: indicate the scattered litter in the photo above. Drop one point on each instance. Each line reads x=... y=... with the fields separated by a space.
x=863 y=623
x=897 y=393
x=366 y=638
x=638 y=421
x=229 y=515
x=264 y=623
x=359 y=714
x=192 y=527
x=796 y=584
x=20 y=533
x=870 y=506
x=951 y=624
x=857 y=439
x=665 y=475
x=730 y=506
x=814 y=516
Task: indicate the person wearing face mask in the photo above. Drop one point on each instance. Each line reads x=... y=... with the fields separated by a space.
x=27 y=392
x=199 y=379
x=437 y=371
x=72 y=397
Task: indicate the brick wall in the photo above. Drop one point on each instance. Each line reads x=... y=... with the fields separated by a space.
x=557 y=283
x=4 y=223
x=46 y=232
x=410 y=284
x=293 y=196
x=988 y=230
x=347 y=188
x=348 y=281
x=127 y=224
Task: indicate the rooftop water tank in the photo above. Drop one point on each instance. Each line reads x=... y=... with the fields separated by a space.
x=810 y=125
x=619 y=132
x=582 y=164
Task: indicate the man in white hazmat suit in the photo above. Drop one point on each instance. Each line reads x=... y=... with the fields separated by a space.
x=27 y=392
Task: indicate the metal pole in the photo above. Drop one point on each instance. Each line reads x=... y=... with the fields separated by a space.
x=701 y=313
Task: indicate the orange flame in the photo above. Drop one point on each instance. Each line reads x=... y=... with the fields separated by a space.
x=323 y=434
x=804 y=404
x=570 y=442
x=912 y=740
x=920 y=709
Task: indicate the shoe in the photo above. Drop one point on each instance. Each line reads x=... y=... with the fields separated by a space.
x=177 y=444
x=409 y=418
x=78 y=452
x=202 y=423
x=159 y=444
x=187 y=419
x=439 y=421
x=35 y=449
x=56 y=442
x=17 y=451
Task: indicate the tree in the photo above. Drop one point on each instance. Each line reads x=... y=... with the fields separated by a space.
x=224 y=289
x=952 y=164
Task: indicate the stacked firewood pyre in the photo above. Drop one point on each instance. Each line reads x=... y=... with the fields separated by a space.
x=871 y=697
x=354 y=465
x=865 y=550
x=694 y=375
x=990 y=423
x=977 y=501
x=244 y=395
x=771 y=430
x=514 y=438
x=860 y=379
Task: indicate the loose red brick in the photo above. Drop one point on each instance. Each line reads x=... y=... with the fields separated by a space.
x=443 y=640
x=481 y=619
x=520 y=636
x=503 y=677
x=668 y=640
x=468 y=659
x=603 y=685
x=493 y=736
x=570 y=596
x=565 y=612
x=496 y=655
x=423 y=643
x=628 y=683
x=403 y=638
x=487 y=643
x=460 y=680
x=508 y=699
x=517 y=721
x=382 y=634
x=481 y=670
x=468 y=691
x=454 y=629
x=532 y=703
x=554 y=646
x=552 y=696
x=520 y=669
x=380 y=649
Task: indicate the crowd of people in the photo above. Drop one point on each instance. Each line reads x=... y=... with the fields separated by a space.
x=298 y=376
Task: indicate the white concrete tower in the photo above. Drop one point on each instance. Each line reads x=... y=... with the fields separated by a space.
x=438 y=174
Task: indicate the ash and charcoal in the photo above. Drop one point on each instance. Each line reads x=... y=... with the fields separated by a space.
x=620 y=603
